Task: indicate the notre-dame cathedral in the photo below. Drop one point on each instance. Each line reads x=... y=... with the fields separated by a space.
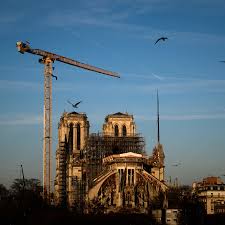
x=108 y=171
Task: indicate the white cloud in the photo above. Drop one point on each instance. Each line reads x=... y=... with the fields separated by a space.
x=8 y=18
x=174 y=85
x=15 y=84
x=25 y=119
x=183 y=117
x=20 y=119
x=106 y=15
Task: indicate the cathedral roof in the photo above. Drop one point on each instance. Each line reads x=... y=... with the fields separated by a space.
x=73 y=113
x=123 y=156
x=119 y=114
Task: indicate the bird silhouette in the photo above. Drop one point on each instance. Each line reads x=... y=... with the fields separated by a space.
x=161 y=39
x=176 y=164
x=54 y=76
x=74 y=105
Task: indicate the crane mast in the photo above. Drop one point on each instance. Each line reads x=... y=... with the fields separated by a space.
x=47 y=140
x=48 y=59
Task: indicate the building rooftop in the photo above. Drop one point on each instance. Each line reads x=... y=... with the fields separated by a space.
x=118 y=115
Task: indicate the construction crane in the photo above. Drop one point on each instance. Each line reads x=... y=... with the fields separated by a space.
x=48 y=58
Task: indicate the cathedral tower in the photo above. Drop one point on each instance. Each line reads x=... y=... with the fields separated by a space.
x=119 y=125
x=74 y=127
x=73 y=131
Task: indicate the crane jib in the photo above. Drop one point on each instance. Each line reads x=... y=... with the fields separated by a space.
x=72 y=62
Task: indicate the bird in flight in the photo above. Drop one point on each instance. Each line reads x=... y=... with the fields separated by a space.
x=176 y=164
x=54 y=76
x=74 y=105
x=161 y=39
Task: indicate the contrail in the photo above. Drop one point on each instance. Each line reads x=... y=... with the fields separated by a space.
x=157 y=77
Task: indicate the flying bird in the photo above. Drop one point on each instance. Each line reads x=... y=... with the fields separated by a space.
x=176 y=164
x=54 y=76
x=74 y=105
x=161 y=39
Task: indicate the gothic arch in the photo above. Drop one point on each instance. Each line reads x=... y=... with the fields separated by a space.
x=116 y=130
x=124 y=130
x=70 y=138
x=78 y=136
x=98 y=185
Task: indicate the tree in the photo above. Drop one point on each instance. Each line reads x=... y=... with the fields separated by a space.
x=192 y=211
x=29 y=185
x=27 y=192
x=159 y=201
x=3 y=191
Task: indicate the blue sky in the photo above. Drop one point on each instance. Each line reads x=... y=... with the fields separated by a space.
x=117 y=36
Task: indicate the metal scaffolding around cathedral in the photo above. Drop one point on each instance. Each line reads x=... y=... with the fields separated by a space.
x=107 y=171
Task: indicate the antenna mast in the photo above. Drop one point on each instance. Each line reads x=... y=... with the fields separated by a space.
x=158 y=116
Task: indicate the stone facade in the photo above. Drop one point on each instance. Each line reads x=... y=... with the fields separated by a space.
x=119 y=124
x=127 y=184
x=110 y=170
x=73 y=131
x=211 y=191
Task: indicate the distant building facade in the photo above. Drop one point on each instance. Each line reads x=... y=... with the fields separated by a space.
x=109 y=170
x=172 y=216
x=211 y=191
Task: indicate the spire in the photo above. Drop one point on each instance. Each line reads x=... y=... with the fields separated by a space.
x=158 y=116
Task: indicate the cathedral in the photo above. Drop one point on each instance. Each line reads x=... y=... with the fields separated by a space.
x=108 y=171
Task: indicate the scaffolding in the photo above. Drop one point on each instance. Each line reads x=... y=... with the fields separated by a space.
x=90 y=162
x=100 y=145
x=79 y=196
x=61 y=173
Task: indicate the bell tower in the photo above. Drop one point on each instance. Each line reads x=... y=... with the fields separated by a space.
x=119 y=125
x=74 y=127
x=73 y=131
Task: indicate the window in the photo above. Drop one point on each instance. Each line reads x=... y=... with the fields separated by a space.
x=129 y=176
x=132 y=176
x=124 y=131
x=78 y=136
x=71 y=137
x=116 y=131
x=122 y=178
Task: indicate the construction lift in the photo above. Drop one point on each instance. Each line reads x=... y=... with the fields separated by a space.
x=48 y=58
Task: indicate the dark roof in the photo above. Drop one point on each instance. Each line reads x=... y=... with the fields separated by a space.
x=74 y=113
x=119 y=114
